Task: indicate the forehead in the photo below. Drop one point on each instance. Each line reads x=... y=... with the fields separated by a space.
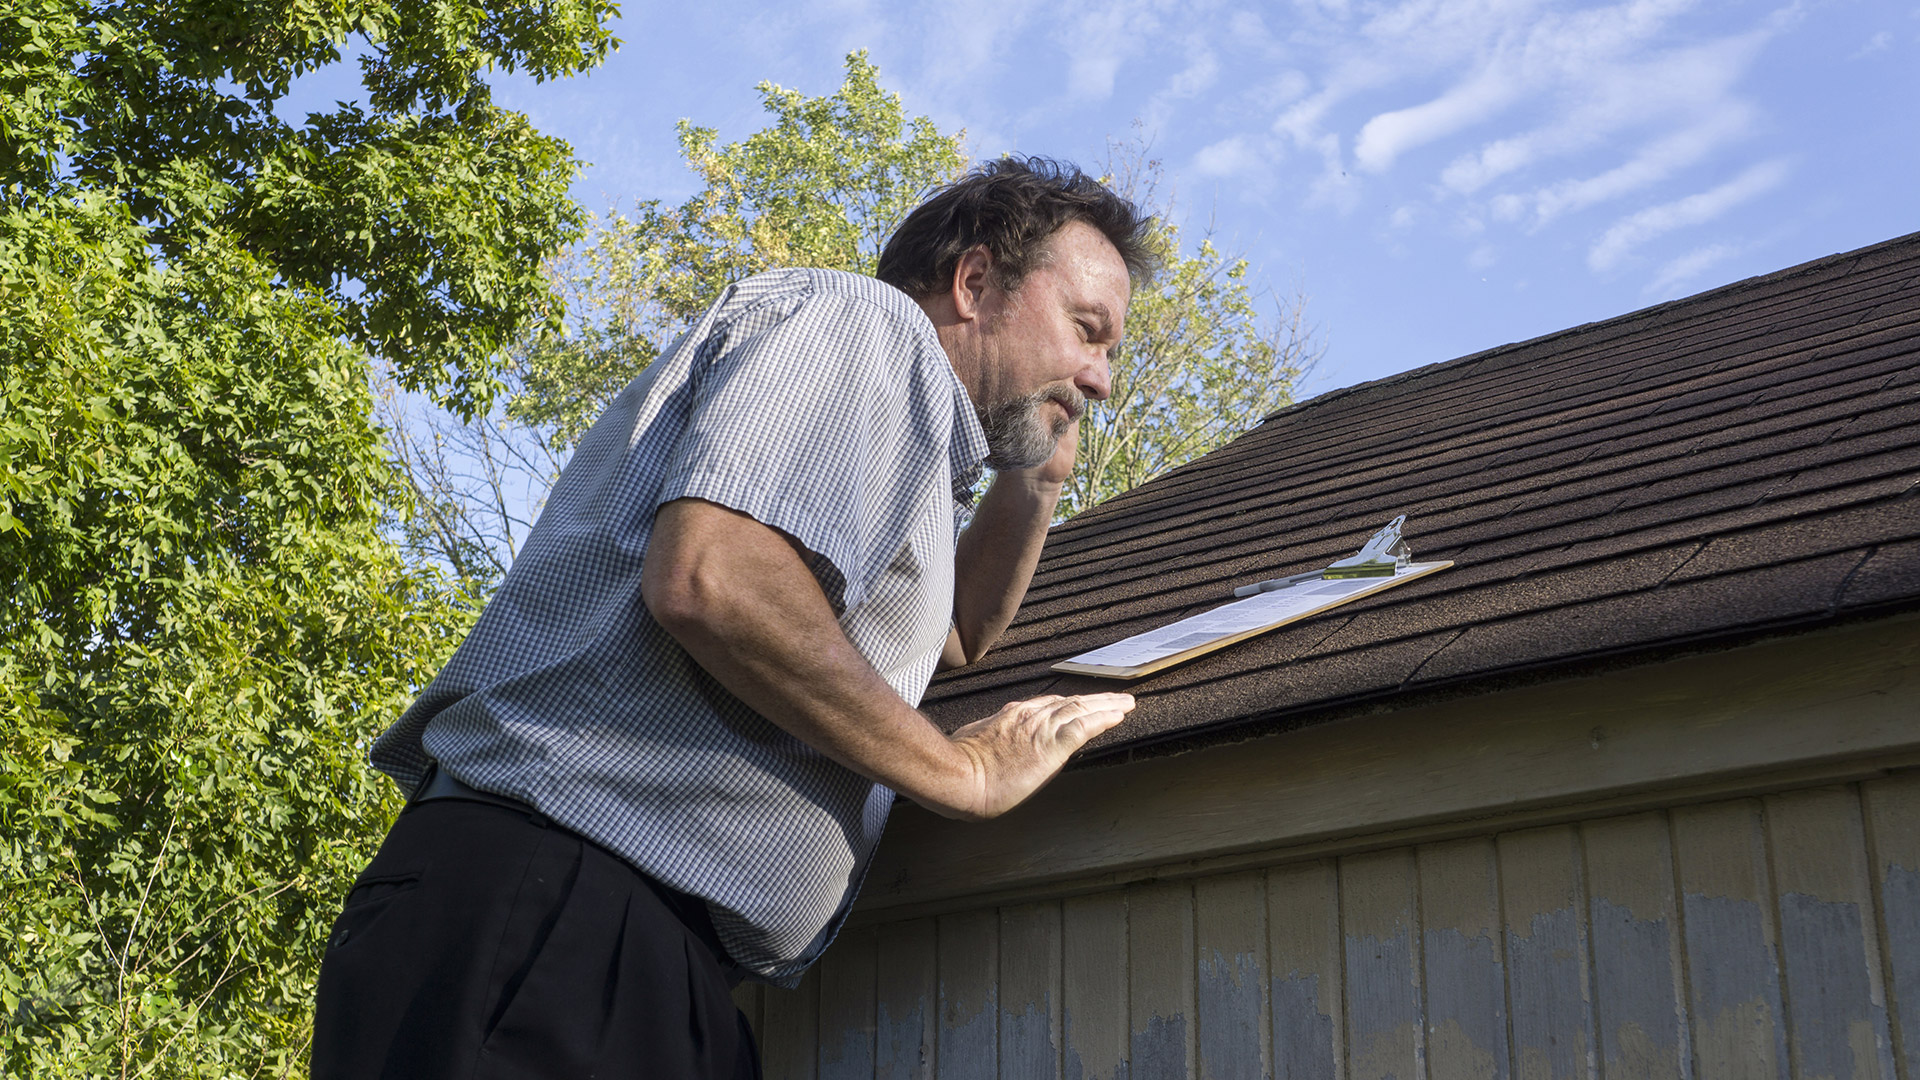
x=1085 y=266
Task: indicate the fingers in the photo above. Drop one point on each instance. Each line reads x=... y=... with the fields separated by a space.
x=1019 y=748
x=1081 y=704
x=1096 y=714
x=1077 y=719
x=1092 y=701
x=1032 y=703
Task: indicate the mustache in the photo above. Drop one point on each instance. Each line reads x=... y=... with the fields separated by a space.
x=1067 y=397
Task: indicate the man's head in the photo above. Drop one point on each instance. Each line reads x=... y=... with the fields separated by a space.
x=1025 y=267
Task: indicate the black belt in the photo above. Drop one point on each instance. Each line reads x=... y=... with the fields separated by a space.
x=442 y=784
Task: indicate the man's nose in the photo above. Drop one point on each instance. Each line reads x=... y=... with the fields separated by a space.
x=1096 y=379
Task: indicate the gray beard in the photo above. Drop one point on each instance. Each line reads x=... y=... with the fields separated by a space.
x=1017 y=438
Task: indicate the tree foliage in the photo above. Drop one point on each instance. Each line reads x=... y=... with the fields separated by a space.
x=824 y=184
x=421 y=217
x=203 y=622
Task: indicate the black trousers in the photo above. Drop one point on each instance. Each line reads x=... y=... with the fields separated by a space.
x=487 y=942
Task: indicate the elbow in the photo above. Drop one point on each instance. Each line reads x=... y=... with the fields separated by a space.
x=953 y=654
x=676 y=598
x=963 y=650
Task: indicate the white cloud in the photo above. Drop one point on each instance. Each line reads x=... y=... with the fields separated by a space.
x=1098 y=38
x=1655 y=162
x=1390 y=134
x=1228 y=157
x=1575 y=108
x=1202 y=70
x=1283 y=89
x=1636 y=229
x=1668 y=283
x=1878 y=43
x=1492 y=55
x=1247 y=27
x=1199 y=76
x=1684 y=95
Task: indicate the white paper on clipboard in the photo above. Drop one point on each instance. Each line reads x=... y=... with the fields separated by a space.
x=1199 y=634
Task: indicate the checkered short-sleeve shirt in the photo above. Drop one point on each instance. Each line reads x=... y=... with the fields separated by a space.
x=821 y=404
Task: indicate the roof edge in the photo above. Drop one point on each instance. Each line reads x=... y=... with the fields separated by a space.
x=1425 y=370
x=1262 y=725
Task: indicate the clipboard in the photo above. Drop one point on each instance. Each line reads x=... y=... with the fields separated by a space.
x=1228 y=624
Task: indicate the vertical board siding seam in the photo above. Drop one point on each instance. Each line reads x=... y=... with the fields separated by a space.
x=1506 y=968
x=1192 y=1002
x=1772 y=886
x=1417 y=944
x=1879 y=966
x=938 y=1005
x=1192 y=1054
x=993 y=1003
x=1126 y=992
x=1346 y=969
x=1583 y=929
x=1058 y=1030
x=1683 y=993
x=1269 y=1066
x=1876 y=873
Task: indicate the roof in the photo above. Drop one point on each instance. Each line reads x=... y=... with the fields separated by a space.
x=1736 y=464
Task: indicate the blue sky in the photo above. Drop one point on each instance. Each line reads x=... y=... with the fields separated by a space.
x=1435 y=176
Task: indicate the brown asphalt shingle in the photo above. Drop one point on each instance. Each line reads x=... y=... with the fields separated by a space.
x=1741 y=462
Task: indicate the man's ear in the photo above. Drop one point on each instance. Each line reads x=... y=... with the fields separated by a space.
x=972 y=276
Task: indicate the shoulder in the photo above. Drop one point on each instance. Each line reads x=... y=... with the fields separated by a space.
x=809 y=294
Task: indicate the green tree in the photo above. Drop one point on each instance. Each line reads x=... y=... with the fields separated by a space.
x=202 y=623
x=824 y=184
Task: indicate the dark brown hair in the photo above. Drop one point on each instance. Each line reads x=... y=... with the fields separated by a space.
x=1013 y=206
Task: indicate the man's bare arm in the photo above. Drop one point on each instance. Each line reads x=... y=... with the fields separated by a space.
x=994 y=560
x=738 y=597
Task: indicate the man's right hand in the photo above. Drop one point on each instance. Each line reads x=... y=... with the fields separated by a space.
x=1021 y=747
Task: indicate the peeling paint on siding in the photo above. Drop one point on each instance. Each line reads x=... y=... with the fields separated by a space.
x=1839 y=1030
x=1549 y=997
x=850 y=1057
x=1466 y=1004
x=1633 y=968
x=901 y=1052
x=968 y=1040
x=1076 y=1069
x=1094 y=984
x=1901 y=898
x=1383 y=1007
x=1738 y=1027
x=1159 y=1050
x=1230 y=1007
x=1302 y=1034
x=1026 y=1040
x=1810 y=947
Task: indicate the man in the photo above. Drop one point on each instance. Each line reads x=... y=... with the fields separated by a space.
x=661 y=760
